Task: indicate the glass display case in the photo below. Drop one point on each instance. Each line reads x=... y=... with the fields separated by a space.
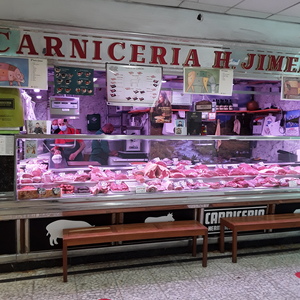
x=165 y=165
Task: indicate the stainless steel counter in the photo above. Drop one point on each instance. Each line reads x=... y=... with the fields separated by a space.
x=10 y=209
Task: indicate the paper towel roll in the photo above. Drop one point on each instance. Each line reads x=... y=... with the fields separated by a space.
x=298 y=154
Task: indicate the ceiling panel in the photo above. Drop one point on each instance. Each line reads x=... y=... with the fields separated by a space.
x=159 y=2
x=273 y=6
x=261 y=9
x=203 y=7
x=283 y=18
x=226 y=3
x=248 y=13
x=292 y=11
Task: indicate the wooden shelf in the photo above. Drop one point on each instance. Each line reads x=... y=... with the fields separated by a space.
x=260 y=111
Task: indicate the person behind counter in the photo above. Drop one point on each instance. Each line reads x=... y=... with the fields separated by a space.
x=54 y=127
x=100 y=148
x=69 y=153
x=38 y=129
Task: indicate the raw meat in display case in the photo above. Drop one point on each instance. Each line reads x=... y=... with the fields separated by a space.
x=36 y=180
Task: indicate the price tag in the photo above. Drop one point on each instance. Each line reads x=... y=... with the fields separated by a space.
x=56 y=191
x=292 y=183
x=140 y=189
x=41 y=191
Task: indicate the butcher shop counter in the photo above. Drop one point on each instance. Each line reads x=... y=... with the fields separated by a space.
x=132 y=202
x=171 y=178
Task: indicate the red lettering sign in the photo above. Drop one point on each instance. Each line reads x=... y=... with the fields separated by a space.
x=55 y=47
x=7 y=36
x=111 y=51
x=222 y=63
x=26 y=42
x=76 y=45
x=135 y=53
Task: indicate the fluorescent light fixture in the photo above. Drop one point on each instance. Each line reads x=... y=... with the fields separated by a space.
x=38 y=97
x=36 y=90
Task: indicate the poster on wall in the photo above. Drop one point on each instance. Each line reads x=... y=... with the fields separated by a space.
x=6 y=145
x=180 y=127
x=23 y=73
x=208 y=81
x=30 y=148
x=180 y=98
x=161 y=112
x=38 y=126
x=11 y=116
x=132 y=85
x=73 y=81
x=292 y=123
x=290 y=88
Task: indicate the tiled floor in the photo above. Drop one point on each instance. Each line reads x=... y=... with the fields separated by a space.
x=261 y=273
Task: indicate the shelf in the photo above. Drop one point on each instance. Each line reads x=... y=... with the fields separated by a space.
x=260 y=111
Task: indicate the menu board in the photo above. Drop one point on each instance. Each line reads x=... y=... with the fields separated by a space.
x=208 y=81
x=133 y=85
x=73 y=81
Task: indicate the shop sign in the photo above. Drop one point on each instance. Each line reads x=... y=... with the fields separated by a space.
x=91 y=48
x=203 y=105
x=212 y=216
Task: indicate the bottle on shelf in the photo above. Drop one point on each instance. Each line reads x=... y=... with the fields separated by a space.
x=221 y=104
x=218 y=104
x=226 y=105
x=213 y=105
x=230 y=105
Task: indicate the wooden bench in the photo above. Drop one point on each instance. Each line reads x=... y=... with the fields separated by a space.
x=130 y=232
x=251 y=223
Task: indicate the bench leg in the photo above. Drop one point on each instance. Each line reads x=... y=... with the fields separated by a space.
x=234 y=246
x=221 y=238
x=204 y=250
x=65 y=262
x=194 y=246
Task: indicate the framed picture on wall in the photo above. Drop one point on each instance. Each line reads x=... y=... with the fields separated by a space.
x=290 y=88
x=208 y=81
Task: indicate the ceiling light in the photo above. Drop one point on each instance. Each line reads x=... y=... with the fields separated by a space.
x=36 y=90
x=39 y=97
